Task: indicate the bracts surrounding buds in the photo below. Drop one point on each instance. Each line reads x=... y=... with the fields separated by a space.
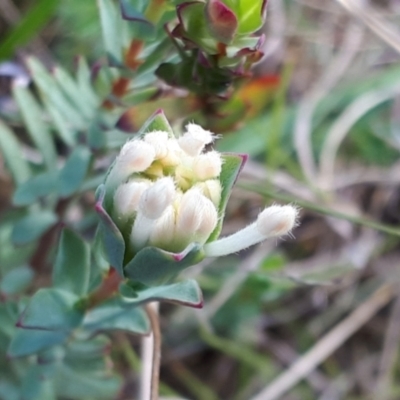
x=163 y=203
x=220 y=38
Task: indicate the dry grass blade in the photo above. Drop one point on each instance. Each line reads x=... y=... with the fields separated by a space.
x=327 y=344
x=380 y=27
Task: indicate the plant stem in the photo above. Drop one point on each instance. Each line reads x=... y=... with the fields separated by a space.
x=151 y=355
x=106 y=290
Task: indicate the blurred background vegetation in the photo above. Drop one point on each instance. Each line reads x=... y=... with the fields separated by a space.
x=320 y=119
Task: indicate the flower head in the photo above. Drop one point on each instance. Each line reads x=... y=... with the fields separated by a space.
x=163 y=203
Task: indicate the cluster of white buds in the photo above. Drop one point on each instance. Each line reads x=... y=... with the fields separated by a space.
x=166 y=190
x=166 y=193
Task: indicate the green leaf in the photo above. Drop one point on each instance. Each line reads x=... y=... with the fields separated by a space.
x=72 y=265
x=36 y=188
x=74 y=171
x=111 y=29
x=28 y=341
x=32 y=226
x=74 y=385
x=186 y=293
x=84 y=80
x=157 y=122
x=109 y=235
x=51 y=310
x=11 y=151
x=72 y=92
x=153 y=266
x=62 y=126
x=37 y=383
x=28 y=27
x=38 y=130
x=231 y=167
x=51 y=92
x=16 y=280
x=112 y=315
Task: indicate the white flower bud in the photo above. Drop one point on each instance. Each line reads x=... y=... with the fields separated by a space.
x=173 y=155
x=273 y=221
x=194 y=140
x=163 y=233
x=276 y=220
x=135 y=156
x=196 y=218
x=211 y=189
x=207 y=165
x=158 y=139
x=152 y=204
x=157 y=198
x=127 y=196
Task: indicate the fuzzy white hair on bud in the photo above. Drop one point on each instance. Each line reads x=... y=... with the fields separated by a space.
x=157 y=198
x=211 y=189
x=272 y=222
x=135 y=156
x=127 y=197
x=163 y=232
x=207 y=165
x=152 y=204
x=158 y=139
x=194 y=139
x=277 y=220
x=196 y=218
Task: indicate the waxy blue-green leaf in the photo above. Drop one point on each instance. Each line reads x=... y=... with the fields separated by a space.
x=16 y=280
x=74 y=171
x=157 y=122
x=109 y=235
x=51 y=310
x=187 y=293
x=231 y=167
x=72 y=92
x=75 y=385
x=32 y=226
x=111 y=29
x=12 y=154
x=36 y=188
x=38 y=130
x=29 y=341
x=84 y=79
x=154 y=266
x=37 y=383
x=62 y=126
x=108 y=316
x=50 y=91
x=72 y=265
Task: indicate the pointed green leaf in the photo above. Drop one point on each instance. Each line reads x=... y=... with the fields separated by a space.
x=16 y=280
x=71 y=91
x=231 y=167
x=157 y=122
x=37 y=383
x=32 y=226
x=84 y=80
x=38 y=130
x=12 y=154
x=74 y=171
x=72 y=265
x=111 y=316
x=28 y=341
x=154 y=266
x=62 y=126
x=75 y=385
x=109 y=235
x=51 y=310
x=36 y=188
x=51 y=92
x=111 y=29
x=187 y=293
